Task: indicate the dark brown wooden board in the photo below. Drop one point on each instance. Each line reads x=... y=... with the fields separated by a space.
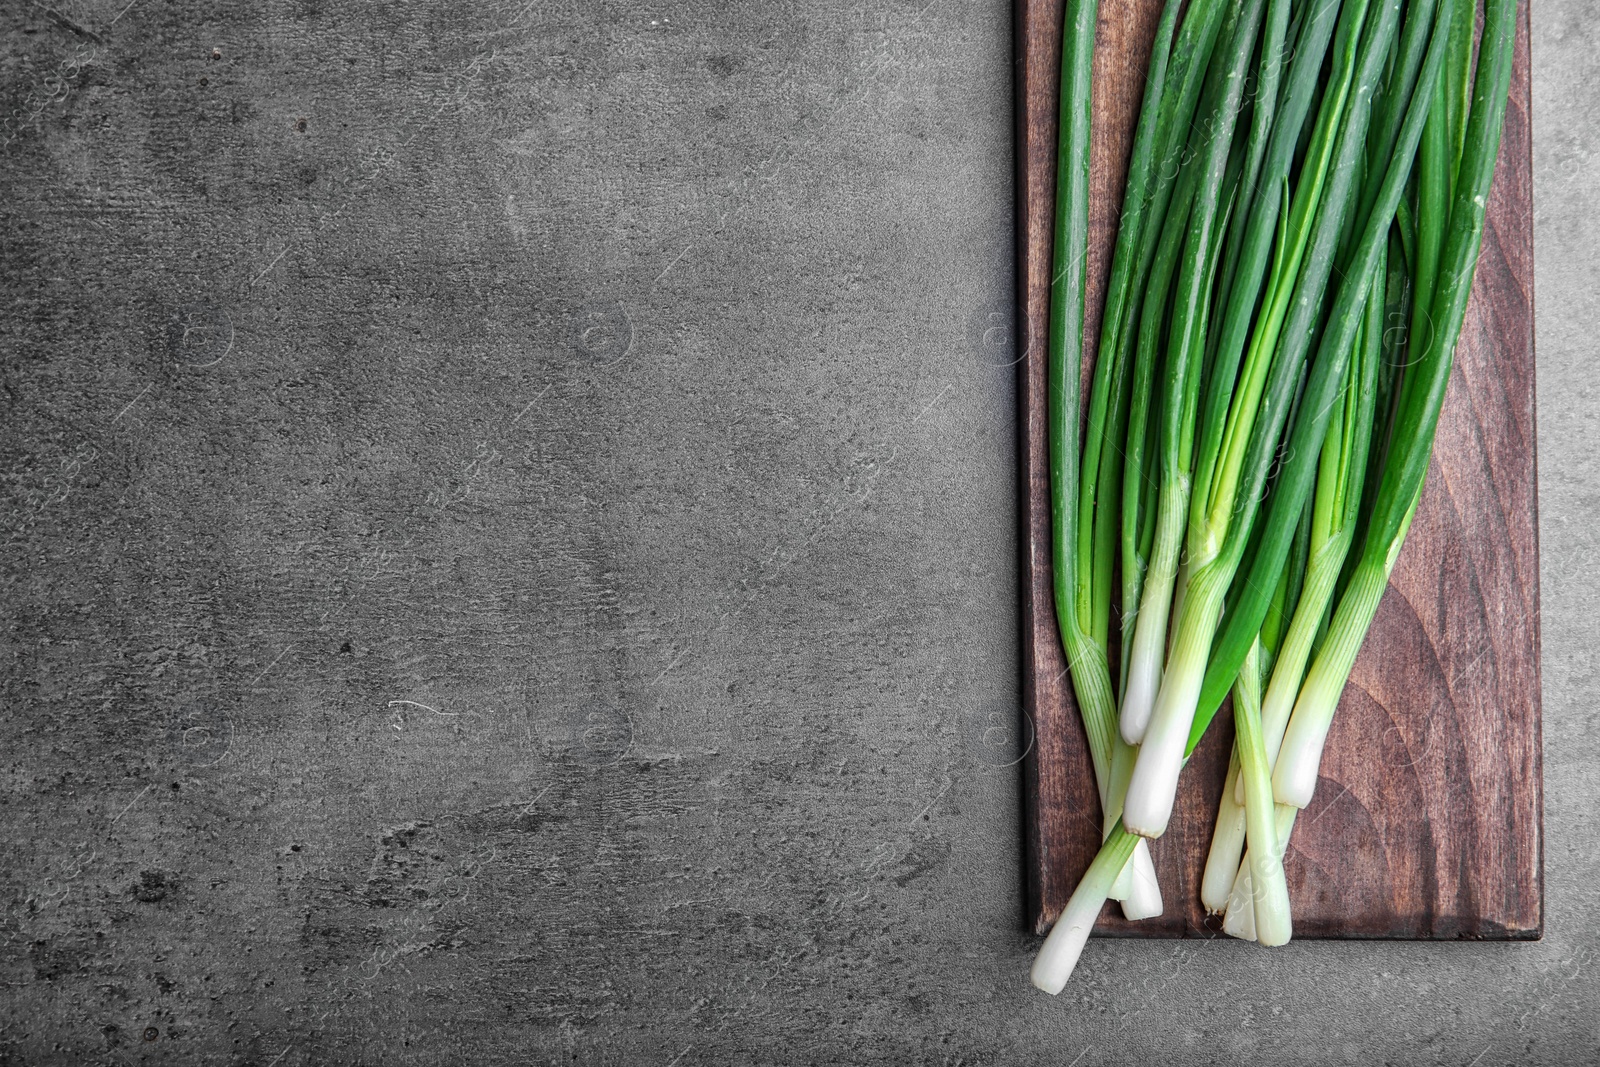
x=1427 y=818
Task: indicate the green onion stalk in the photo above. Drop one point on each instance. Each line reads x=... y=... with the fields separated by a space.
x=1068 y=938
x=1255 y=343
x=1309 y=426
x=1396 y=346
x=1171 y=93
x=1300 y=457
x=1232 y=487
x=1228 y=837
x=1260 y=200
x=1059 y=955
x=1101 y=473
x=1281 y=26
x=1244 y=906
x=1086 y=659
x=1389 y=106
x=1335 y=508
x=1100 y=483
x=1250 y=242
x=1136 y=301
x=1420 y=401
x=1270 y=891
x=1185 y=349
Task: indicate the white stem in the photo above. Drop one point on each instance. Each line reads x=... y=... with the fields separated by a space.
x=1289 y=669
x=1143 y=899
x=1227 y=840
x=1114 y=788
x=1154 y=785
x=1113 y=763
x=1240 y=920
x=1227 y=843
x=1294 y=778
x=1270 y=893
x=1060 y=952
x=1269 y=889
x=1122 y=888
x=1150 y=630
x=1180 y=589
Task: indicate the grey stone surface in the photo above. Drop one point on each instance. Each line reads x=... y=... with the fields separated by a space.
x=509 y=557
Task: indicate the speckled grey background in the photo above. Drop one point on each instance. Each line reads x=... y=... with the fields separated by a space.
x=510 y=556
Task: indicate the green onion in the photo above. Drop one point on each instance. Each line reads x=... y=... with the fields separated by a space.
x=1262 y=404
x=1243 y=902
x=1335 y=505
x=1065 y=349
x=1416 y=419
x=1270 y=892
x=1286 y=293
x=1100 y=479
x=1147 y=299
x=1184 y=350
x=1305 y=438
x=1263 y=113
x=1332 y=520
x=1389 y=106
x=1228 y=839
x=1061 y=949
x=1091 y=679
x=1257 y=243
x=1100 y=483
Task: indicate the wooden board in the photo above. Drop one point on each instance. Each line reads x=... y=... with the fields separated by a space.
x=1427 y=819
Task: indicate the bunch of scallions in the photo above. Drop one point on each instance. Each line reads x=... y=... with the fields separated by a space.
x=1300 y=227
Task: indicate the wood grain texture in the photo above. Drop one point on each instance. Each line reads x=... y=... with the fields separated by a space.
x=1427 y=818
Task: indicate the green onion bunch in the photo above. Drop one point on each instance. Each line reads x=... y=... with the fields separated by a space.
x=1305 y=175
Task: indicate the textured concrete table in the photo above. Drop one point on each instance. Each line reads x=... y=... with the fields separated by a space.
x=510 y=557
